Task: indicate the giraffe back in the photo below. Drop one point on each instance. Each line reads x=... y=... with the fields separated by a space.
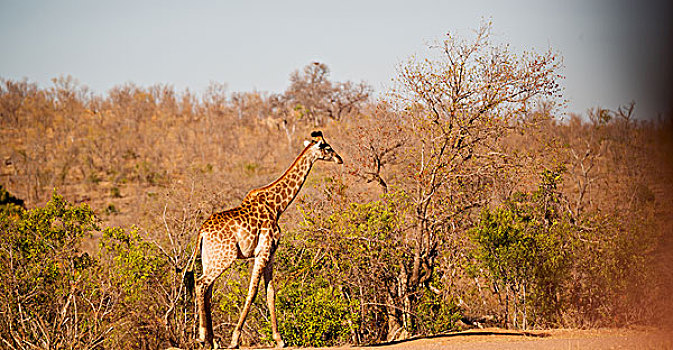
x=239 y=227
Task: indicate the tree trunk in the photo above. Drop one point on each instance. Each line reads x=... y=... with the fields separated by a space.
x=394 y=324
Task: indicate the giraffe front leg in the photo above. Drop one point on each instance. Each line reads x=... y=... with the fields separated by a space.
x=260 y=262
x=271 y=303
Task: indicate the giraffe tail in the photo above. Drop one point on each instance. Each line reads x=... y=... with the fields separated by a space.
x=188 y=279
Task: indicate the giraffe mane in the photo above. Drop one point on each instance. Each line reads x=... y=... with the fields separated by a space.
x=263 y=188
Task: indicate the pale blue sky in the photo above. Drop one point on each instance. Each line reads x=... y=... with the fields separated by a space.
x=613 y=50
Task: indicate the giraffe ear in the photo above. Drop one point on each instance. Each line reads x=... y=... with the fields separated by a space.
x=306 y=143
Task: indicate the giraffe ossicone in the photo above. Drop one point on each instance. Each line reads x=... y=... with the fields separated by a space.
x=250 y=231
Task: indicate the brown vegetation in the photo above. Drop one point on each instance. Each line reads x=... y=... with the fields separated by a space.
x=465 y=199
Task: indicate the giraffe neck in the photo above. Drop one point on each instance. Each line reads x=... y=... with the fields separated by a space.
x=279 y=194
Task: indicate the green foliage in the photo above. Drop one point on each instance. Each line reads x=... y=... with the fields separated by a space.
x=50 y=288
x=438 y=313
x=314 y=315
x=367 y=238
x=310 y=312
x=144 y=282
x=525 y=246
x=45 y=243
x=360 y=250
x=229 y=294
x=55 y=296
x=583 y=270
x=134 y=262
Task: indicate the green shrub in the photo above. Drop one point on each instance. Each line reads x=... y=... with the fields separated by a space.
x=133 y=262
x=313 y=315
x=525 y=247
x=151 y=312
x=438 y=313
x=51 y=296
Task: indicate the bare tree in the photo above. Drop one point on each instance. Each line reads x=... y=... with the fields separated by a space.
x=317 y=98
x=456 y=108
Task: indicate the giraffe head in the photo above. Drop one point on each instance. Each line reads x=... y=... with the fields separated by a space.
x=321 y=149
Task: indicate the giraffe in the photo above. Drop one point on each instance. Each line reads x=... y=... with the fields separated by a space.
x=250 y=231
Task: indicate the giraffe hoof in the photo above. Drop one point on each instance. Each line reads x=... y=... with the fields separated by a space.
x=280 y=344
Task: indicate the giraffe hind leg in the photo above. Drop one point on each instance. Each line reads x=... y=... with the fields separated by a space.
x=203 y=296
x=204 y=292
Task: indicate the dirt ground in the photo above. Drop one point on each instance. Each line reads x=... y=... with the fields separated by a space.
x=566 y=339
x=499 y=339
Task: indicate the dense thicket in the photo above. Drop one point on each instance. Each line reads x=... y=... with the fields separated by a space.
x=464 y=199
